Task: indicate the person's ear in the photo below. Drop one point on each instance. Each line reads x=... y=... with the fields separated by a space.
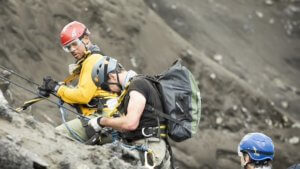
x=246 y=159
x=85 y=39
x=111 y=76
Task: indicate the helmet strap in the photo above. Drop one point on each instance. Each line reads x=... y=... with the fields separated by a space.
x=81 y=37
x=118 y=79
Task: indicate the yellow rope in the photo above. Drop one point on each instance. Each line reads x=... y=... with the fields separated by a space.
x=120 y=99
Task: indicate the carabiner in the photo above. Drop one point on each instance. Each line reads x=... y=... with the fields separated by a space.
x=144 y=134
x=147 y=165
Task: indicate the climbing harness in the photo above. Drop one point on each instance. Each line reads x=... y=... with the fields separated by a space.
x=147 y=152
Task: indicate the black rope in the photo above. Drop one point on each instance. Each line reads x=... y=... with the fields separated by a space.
x=24 y=78
x=6 y=79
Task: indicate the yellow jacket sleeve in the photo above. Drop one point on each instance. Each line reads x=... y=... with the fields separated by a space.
x=85 y=89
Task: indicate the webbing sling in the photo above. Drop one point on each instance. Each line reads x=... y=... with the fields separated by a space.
x=29 y=103
x=121 y=98
x=76 y=72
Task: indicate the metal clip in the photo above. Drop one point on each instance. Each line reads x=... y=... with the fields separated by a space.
x=146 y=135
x=149 y=154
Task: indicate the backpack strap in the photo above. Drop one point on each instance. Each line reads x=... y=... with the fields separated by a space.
x=166 y=116
x=158 y=112
x=120 y=100
x=122 y=96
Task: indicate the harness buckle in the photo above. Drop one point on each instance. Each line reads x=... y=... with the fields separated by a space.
x=151 y=133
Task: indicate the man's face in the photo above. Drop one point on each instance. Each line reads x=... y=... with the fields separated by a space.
x=112 y=81
x=77 y=49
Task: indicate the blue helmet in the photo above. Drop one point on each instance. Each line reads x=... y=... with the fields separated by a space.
x=258 y=146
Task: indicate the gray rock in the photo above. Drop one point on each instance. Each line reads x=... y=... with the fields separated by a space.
x=5 y=114
x=82 y=166
x=95 y=158
x=244 y=110
x=65 y=164
x=31 y=122
x=296 y=125
x=272 y=21
x=234 y=107
x=213 y=76
x=285 y=119
x=38 y=162
x=269 y=122
x=12 y=158
x=115 y=163
x=269 y=2
x=261 y=111
x=174 y=7
x=4 y=85
x=259 y=14
x=284 y=104
x=218 y=58
x=294 y=140
x=219 y=120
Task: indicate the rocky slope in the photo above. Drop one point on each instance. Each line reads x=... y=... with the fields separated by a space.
x=141 y=40
x=27 y=143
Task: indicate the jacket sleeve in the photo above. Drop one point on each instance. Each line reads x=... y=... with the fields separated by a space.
x=85 y=90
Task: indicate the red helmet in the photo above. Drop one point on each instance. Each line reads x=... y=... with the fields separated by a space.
x=72 y=31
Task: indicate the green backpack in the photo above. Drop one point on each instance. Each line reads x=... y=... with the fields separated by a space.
x=181 y=101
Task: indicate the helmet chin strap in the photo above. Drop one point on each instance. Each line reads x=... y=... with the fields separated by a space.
x=119 y=84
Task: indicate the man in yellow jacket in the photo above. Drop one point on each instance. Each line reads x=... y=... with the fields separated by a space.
x=85 y=96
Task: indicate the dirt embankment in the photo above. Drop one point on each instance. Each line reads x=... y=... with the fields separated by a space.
x=141 y=40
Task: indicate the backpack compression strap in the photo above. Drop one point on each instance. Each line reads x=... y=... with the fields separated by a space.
x=166 y=116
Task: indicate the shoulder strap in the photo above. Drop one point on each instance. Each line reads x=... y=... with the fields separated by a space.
x=122 y=96
x=120 y=99
x=76 y=72
x=70 y=78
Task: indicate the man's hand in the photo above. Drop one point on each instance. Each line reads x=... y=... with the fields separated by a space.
x=49 y=85
x=95 y=124
x=43 y=92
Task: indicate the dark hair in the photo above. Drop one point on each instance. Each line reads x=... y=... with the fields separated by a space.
x=261 y=163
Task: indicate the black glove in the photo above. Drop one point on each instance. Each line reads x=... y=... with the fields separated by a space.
x=43 y=92
x=49 y=85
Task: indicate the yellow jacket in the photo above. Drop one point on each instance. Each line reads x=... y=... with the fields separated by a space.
x=85 y=89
